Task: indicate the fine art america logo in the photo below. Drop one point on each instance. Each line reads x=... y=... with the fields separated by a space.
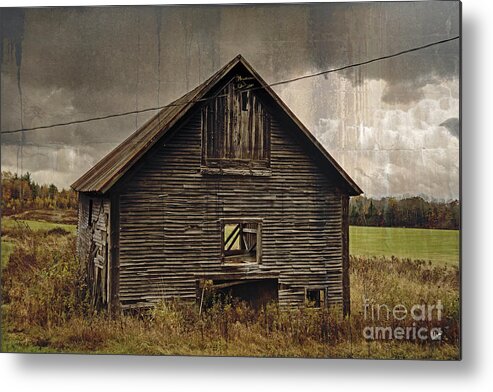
x=407 y=323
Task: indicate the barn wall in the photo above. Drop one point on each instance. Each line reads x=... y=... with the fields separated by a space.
x=92 y=245
x=345 y=255
x=170 y=229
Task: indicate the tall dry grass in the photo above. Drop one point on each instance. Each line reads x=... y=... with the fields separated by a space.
x=43 y=283
x=45 y=309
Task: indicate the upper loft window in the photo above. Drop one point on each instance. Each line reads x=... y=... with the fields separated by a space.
x=235 y=129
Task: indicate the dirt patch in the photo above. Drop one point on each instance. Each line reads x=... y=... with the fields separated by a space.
x=55 y=216
x=58 y=231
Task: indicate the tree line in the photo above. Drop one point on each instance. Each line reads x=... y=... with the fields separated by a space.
x=408 y=212
x=21 y=193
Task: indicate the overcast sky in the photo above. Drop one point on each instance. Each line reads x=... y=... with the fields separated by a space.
x=392 y=125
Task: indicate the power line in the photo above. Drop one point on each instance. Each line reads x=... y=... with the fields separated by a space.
x=366 y=62
x=88 y=119
x=254 y=88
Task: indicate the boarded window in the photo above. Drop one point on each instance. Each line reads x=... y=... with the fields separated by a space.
x=316 y=298
x=236 y=129
x=241 y=240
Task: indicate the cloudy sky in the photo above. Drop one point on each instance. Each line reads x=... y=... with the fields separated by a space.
x=392 y=125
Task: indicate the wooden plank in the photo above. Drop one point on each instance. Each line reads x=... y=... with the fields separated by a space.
x=233 y=134
x=92 y=244
x=114 y=303
x=345 y=256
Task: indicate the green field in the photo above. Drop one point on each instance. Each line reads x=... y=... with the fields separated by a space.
x=439 y=246
x=8 y=223
x=7 y=248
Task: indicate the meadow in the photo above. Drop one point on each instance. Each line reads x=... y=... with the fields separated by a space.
x=45 y=306
x=10 y=224
x=438 y=246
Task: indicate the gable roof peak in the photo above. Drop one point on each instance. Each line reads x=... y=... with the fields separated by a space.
x=110 y=169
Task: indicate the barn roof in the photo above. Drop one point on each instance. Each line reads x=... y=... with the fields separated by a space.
x=106 y=173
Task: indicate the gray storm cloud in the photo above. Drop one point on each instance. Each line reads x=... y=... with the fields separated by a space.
x=453 y=126
x=74 y=63
x=360 y=31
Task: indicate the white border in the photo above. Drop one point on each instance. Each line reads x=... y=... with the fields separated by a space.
x=126 y=373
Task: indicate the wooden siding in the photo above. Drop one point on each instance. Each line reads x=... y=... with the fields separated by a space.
x=345 y=255
x=236 y=129
x=93 y=245
x=170 y=230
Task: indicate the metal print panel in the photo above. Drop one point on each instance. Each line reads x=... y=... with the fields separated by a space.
x=274 y=180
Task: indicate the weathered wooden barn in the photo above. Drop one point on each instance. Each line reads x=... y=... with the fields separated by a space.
x=222 y=189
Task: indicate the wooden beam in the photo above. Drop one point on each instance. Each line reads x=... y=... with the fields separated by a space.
x=114 y=300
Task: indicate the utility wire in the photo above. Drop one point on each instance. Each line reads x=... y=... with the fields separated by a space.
x=254 y=88
x=365 y=62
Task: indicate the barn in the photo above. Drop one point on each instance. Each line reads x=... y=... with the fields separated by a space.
x=223 y=189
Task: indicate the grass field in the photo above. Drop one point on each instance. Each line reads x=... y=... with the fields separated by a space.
x=8 y=243
x=439 y=246
x=8 y=223
x=7 y=248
